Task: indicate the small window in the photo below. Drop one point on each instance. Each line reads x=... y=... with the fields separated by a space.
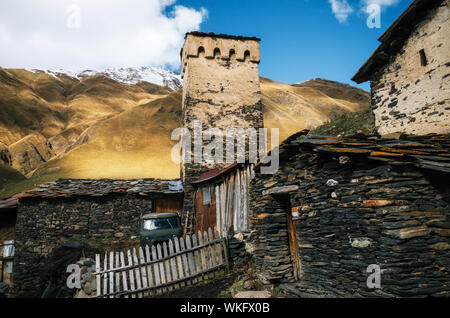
x=206 y=196
x=216 y=52
x=246 y=54
x=232 y=53
x=423 y=58
x=201 y=50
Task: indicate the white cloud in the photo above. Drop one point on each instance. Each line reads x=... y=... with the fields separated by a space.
x=112 y=33
x=381 y=3
x=341 y=9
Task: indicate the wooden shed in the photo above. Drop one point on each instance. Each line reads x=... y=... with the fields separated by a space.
x=220 y=199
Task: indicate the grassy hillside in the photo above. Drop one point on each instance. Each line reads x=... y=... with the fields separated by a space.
x=292 y=108
x=38 y=102
x=8 y=178
x=347 y=124
x=134 y=144
x=60 y=108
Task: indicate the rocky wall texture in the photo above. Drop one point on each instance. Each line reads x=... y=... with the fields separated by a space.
x=47 y=225
x=354 y=213
x=412 y=93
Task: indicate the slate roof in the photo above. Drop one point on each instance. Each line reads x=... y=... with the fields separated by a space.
x=223 y=36
x=8 y=204
x=431 y=152
x=65 y=188
x=394 y=38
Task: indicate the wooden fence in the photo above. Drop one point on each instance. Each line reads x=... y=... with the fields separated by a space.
x=162 y=268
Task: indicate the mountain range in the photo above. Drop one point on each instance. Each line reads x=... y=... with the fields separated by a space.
x=116 y=123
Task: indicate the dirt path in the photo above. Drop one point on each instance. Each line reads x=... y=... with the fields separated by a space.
x=211 y=289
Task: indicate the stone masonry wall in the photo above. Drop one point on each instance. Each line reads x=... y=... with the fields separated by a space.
x=44 y=224
x=412 y=98
x=395 y=217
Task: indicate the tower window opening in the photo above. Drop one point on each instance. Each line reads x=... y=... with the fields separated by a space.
x=216 y=52
x=232 y=53
x=246 y=54
x=423 y=58
x=201 y=51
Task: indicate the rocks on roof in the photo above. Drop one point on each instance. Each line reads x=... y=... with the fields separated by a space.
x=393 y=39
x=96 y=188
x=431 y=152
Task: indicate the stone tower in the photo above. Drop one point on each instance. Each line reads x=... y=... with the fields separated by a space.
x=221 y=88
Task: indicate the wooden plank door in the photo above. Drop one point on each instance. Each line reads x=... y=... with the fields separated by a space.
x=205 y=213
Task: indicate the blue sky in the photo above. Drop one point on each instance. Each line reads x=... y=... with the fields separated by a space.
x=301 y=39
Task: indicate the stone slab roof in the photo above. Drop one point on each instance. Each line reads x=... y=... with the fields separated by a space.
x=393 y=39
x=431 y=152
x=223 y=36
x=65 y=188
x=8 y=204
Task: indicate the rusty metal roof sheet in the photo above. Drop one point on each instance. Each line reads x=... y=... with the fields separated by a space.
x=431 y=152
x=214 y=174
x=65 y=188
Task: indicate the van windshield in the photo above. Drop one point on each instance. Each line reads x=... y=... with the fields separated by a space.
x=161 y=224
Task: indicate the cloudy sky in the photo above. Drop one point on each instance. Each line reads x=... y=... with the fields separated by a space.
x=301 y=39
x=79 y=34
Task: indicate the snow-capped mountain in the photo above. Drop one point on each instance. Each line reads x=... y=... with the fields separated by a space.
x=129 y=75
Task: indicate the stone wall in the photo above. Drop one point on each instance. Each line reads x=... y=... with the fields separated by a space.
x=354 y=213
x=410 y=97
x=43 y=225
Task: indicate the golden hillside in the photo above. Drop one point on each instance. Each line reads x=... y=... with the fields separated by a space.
x=36 y=105
x=134 y=144
x=308 y=105
x=100 y=128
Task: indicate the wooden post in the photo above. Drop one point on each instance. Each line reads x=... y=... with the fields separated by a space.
x=124 y=273
x=294 y=246
x=97 y=270
x=130 y=263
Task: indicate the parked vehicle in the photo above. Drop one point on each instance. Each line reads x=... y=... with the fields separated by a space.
x=160 y=227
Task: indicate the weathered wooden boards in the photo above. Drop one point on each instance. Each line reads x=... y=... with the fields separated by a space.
x=161 y=268
x=231 y=201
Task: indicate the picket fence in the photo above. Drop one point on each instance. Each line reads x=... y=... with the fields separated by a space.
x=162 y=268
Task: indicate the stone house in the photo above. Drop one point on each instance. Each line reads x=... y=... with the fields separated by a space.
x=72 y=212
x=340 y=205
x=409 y=72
